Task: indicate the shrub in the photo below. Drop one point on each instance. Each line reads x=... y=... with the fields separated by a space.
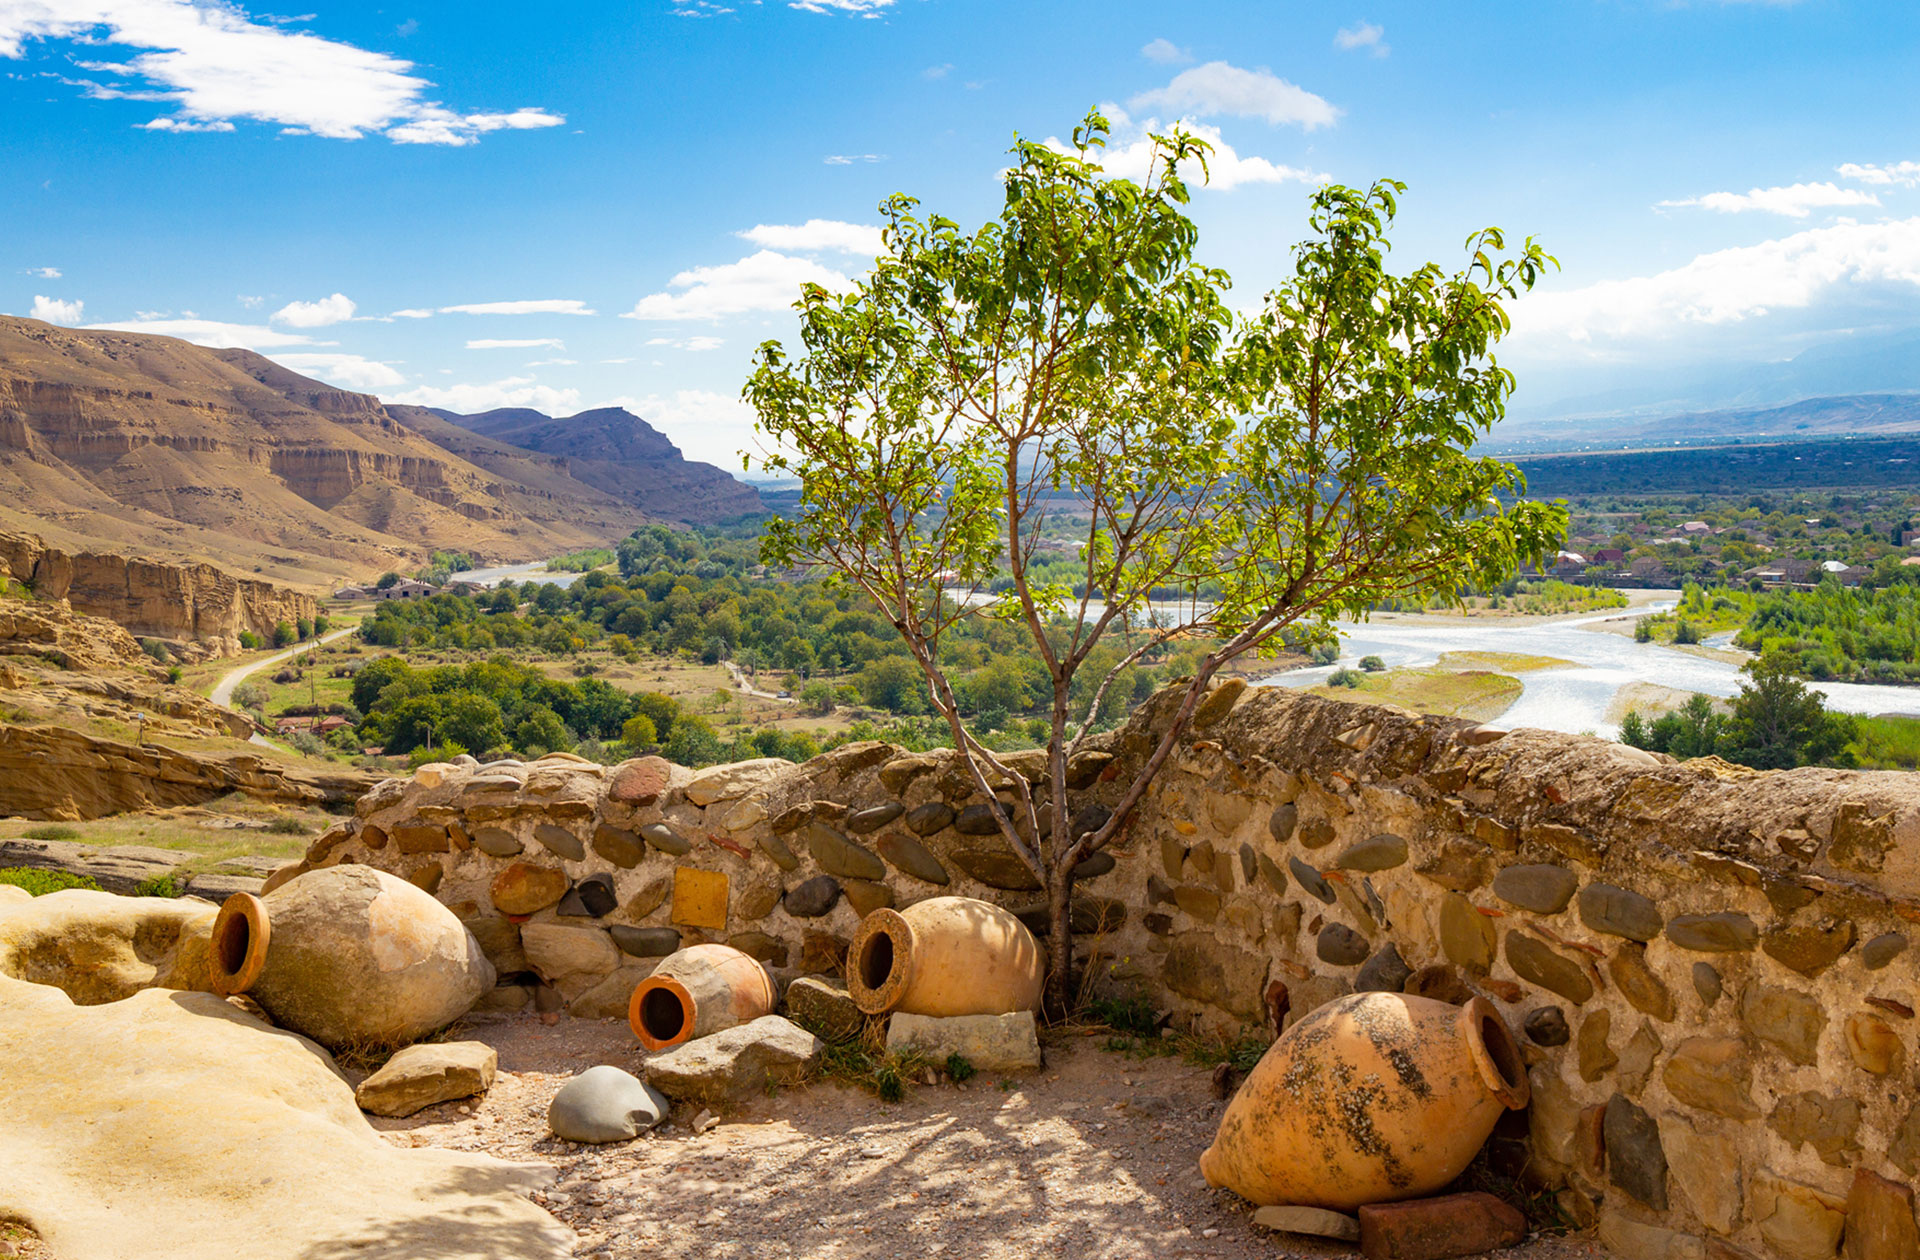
x=160 y=886
x=1685 y=631
x=174 y=674
x=1325 y=653
x=960 y=1068
x=39 y=882
x=289 y=827
x=284 y=635
x=1344 y=678
x=156 y=649
x=249 y=640
x=51 y=831
x=249 y=695
x=422 y=756
x=1372 y=664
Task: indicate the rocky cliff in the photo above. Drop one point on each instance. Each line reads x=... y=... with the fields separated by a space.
x=182 y=603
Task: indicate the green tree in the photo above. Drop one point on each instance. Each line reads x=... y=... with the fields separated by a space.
x=1311 y=463
x=387 y=579
x=472 y=721
x=817 y=696
x=1778 y=722
x=693 y=742
x=638 y=732
x=284 y=635
x=542 y=731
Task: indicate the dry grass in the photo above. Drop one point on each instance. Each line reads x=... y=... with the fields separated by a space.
x=206 y=835
x=1501 y=662
x=1479 y=695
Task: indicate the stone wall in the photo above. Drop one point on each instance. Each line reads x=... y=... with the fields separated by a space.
x=1710 y=964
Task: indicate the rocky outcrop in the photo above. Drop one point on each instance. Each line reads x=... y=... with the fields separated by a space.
x=54 y=632
x=1713 y=964
x=55 y=772
x=248 y=1138
x=194 y=603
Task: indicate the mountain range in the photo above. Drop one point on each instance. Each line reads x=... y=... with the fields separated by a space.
x=113 y=441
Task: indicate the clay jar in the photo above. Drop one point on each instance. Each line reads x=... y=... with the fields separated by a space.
x=696 y=992
x=1371 y=1098
x=349 y=956
x=942 y=957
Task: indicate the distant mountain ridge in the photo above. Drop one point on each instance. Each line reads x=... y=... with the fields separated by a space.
x=620 y=454
x=1846 y=415
x=151 y=446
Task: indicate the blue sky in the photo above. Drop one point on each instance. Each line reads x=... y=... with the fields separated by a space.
x=477 y=204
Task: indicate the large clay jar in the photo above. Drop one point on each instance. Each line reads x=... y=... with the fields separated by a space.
x=944 y=956
x=696 y=992
x=1373 y=1097
x=349 y=956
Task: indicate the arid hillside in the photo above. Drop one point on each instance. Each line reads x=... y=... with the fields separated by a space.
x=149 y=445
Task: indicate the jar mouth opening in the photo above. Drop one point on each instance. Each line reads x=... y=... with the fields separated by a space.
x=237 y=948
x=880 y=962
x=1495 y=1053
x=661 y=1012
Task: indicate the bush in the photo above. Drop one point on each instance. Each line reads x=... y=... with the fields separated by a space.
x=423 y=756
x=156 y=649
x=1325 y=653
x=1685 y=631
x=289 y=827
x=285 y=635
x=174 y=674
x=250 y=695
x=1372 y=664
x=39 y=882
x=249 y=640
x=1345 y=678
x=160 y=886
x=51 y=831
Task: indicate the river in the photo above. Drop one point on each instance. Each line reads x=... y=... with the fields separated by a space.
x=1575 y=699
x=536 y=572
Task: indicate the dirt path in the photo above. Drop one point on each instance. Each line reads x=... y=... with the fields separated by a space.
x=1094 y=1156
x=222 y=692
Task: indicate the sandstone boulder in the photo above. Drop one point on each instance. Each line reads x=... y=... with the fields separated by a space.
x=738 y=1062
x=422 y=1075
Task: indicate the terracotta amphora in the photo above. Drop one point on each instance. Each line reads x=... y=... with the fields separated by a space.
x=696 y=992
x=944 y=956
x=349 y=956
x=1371 y=1098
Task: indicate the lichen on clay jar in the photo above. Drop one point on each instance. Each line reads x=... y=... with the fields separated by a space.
x=1374 y=1097
x=945 y=956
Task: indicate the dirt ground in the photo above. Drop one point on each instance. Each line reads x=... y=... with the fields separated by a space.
x=1094 y=1156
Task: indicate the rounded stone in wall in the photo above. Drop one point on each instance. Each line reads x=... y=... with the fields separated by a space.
x=926 y=819
x=910 y=857
x=1542 y=888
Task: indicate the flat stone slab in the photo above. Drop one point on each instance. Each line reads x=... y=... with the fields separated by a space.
x=1293 y=1218
x=427 y=1073
x=737 y=1062
x=993 y=1043
x=1441 y=1227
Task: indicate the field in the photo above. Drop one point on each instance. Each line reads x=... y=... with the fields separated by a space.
x=1501 y=662
x=229 y=827
x=1471 y=693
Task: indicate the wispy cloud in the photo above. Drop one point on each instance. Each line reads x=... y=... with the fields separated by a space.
x=848 y=159
x=1362 y=35
x=937 y=72
x=516 y=343
x=54 y=311
x=766 y=281
x=537 y=306
x=1795 y=201
x=328 y=310
x=212 y=333
x=514 y=391
x=412 y=312
x=1219 y=88
x=1727 y=286
x=817 y=234
x=850 y=8
x=694 y=344
x=1903 y=174
x=44 y=273
x=349 y=371
x=1166 y=52
x=215 y=65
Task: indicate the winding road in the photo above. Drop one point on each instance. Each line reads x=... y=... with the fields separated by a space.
x=222 y=692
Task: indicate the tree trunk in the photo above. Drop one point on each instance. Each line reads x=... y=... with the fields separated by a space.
x=1059 y=941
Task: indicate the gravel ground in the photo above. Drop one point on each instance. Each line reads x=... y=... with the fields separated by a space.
x=1093 y=1156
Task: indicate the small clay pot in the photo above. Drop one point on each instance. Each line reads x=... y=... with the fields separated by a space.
x=944 y=956
x=696 y=992
x=1372 y=1098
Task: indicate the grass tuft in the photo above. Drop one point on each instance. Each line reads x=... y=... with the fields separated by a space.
x=39 y=882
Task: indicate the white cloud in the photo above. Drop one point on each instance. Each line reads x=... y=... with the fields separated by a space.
x=1731 y=285
x=553 y=363
x=848 y=159
x=212 y=333
x=537 y=306
x=693 y=344
x=1904 y=174
x=411 y=312
x=524 y=343
x=1129 y=152
x=514 y=391
x=328 y=310
x=1795 y=201
x=214 y=64
x=817 y=234
x=1166 y=52
x=852 y=8
x=1365 y=35
x=937 y=72
x=44 y=273
x=349 y=371
x=766 y=281
x=1219 y=88
x=699 y=8
x=54 y=311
